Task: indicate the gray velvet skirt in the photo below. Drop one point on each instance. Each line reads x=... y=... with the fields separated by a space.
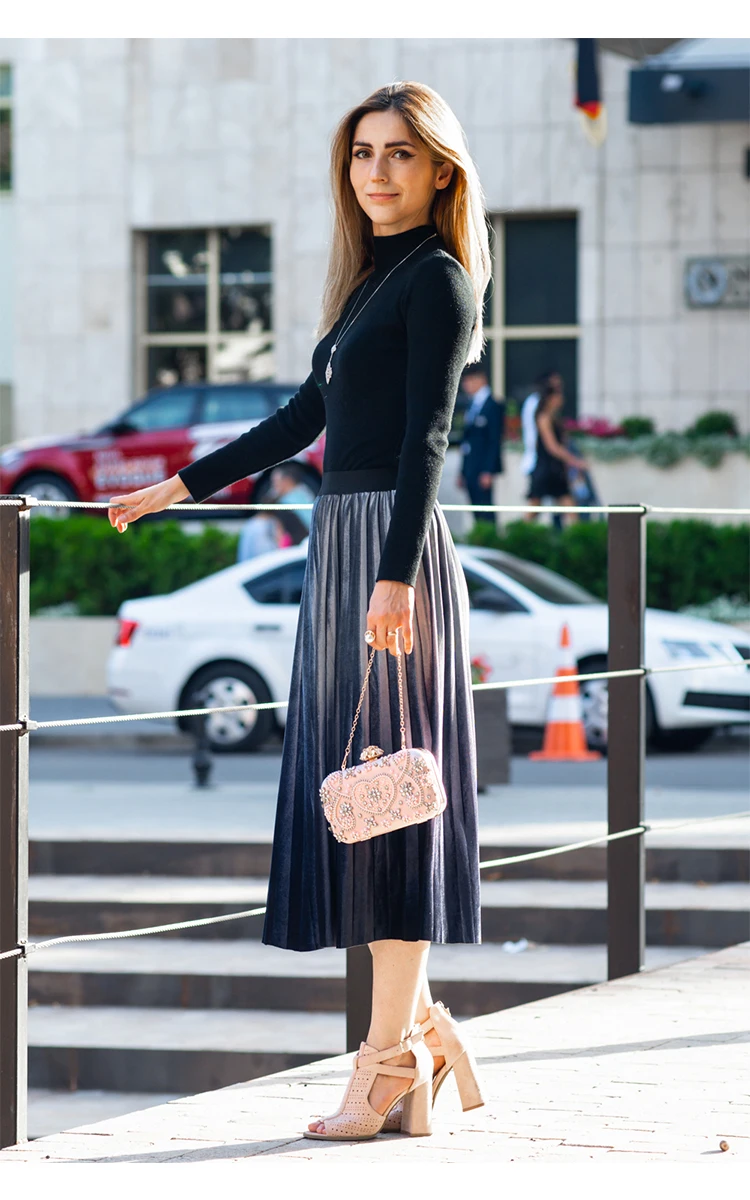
x=418 y=883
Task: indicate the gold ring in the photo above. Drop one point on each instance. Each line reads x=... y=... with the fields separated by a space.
x=369 y=635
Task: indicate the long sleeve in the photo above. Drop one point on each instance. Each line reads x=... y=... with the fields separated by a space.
x=278 y=437
x=440 y=312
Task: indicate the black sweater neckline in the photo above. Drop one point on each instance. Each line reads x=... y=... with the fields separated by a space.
x=390 y=249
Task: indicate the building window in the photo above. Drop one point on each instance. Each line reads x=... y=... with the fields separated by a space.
x=6 y=128
x=203 y=306
x=531 y=307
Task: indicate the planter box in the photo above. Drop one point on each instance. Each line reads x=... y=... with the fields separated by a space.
x=68 y=655
x=629 y=481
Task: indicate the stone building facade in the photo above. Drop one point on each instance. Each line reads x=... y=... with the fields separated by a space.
x=118 y=139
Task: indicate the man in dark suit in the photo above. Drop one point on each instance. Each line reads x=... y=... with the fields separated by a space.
x=484 y=423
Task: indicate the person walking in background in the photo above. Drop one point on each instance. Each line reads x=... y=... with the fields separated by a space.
x=550 y=474
x=484 y=423
x=528 y=422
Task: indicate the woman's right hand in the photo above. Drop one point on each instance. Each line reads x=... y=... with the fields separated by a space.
x=146 y=500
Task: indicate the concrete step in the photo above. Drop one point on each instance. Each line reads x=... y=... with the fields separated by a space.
x=702 y=860
x=570 y=912
x=172 y=1049
x=51 y=1110
x=181 y=973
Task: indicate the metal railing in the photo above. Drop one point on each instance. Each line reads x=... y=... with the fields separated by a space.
x=625 y=773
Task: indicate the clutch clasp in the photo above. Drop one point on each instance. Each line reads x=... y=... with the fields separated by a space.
x=370 y=752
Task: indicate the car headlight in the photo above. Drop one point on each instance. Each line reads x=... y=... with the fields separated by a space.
x=700 y=650
x=10 y=456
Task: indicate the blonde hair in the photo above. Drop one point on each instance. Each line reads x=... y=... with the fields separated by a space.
x=458 y=210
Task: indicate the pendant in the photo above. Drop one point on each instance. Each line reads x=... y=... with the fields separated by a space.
x=329 y=368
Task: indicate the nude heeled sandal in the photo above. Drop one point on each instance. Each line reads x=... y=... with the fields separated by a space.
x=458 y=1058
x=356 y=1120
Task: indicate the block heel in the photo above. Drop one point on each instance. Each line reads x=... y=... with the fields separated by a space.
x=416 y=1119
x=467 y=1081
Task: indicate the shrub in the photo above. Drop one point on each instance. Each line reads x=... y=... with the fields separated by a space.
x=712 y=423
x=687 y=562
x=635 y=427
x=87 y=567
x=84 y=561
x=665 y=449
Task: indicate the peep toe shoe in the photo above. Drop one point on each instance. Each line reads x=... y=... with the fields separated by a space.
x=458 y=1058
x=356 y=1120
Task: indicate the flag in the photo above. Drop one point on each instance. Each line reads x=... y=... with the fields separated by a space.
x=588 y=96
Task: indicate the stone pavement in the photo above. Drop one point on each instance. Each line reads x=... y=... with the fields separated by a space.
x=652 y=1067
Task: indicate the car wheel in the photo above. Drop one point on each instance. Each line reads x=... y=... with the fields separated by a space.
x=44 y=485
x=683 y=740
x=595 y=705
x=227 y=683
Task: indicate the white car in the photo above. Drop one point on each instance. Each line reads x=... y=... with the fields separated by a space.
x=230 y=639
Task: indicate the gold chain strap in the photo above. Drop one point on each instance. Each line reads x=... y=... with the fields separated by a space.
x=362 y=696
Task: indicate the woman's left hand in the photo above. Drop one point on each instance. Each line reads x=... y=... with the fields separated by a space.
x=391 y=607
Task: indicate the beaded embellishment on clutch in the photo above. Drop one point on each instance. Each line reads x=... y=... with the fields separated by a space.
x=385 y=791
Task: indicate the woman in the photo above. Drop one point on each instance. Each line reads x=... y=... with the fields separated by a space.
x=550 y=474
x=401 y=316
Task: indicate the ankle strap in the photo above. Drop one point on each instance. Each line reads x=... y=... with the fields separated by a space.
x=368 y=1055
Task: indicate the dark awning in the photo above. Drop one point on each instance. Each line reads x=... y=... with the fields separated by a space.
x=696 y=80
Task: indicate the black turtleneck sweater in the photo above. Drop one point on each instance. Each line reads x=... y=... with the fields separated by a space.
x=391 y=397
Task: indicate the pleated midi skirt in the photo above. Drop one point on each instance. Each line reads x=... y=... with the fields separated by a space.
x=418 y=883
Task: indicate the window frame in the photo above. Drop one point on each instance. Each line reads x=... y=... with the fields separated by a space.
x=213 y=337
x=497 y=332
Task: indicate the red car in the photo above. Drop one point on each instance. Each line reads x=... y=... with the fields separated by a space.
x=150 y=442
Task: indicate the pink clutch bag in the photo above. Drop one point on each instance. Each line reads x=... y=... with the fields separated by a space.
x=386 y=791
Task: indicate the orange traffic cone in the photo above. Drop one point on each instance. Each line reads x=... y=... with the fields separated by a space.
x=564 y=736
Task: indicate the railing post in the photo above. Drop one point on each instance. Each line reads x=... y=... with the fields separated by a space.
x=14 y=779
x=626 y=743
x=358 y=995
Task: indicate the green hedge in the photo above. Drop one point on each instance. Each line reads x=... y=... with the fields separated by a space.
x=85 y=563
x=687 y=562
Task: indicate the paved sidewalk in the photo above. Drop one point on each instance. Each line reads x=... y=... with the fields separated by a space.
x=652 y=1067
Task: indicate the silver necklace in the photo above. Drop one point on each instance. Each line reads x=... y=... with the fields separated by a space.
x=352 y=319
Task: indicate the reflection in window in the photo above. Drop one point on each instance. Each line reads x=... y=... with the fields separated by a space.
x=168 y=365
x=176 y=282
x=208 y=292
x=245 y=280
x=6 y=129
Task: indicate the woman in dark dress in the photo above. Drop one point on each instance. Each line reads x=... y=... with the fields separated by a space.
x=550 y=474
x=401 y=317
